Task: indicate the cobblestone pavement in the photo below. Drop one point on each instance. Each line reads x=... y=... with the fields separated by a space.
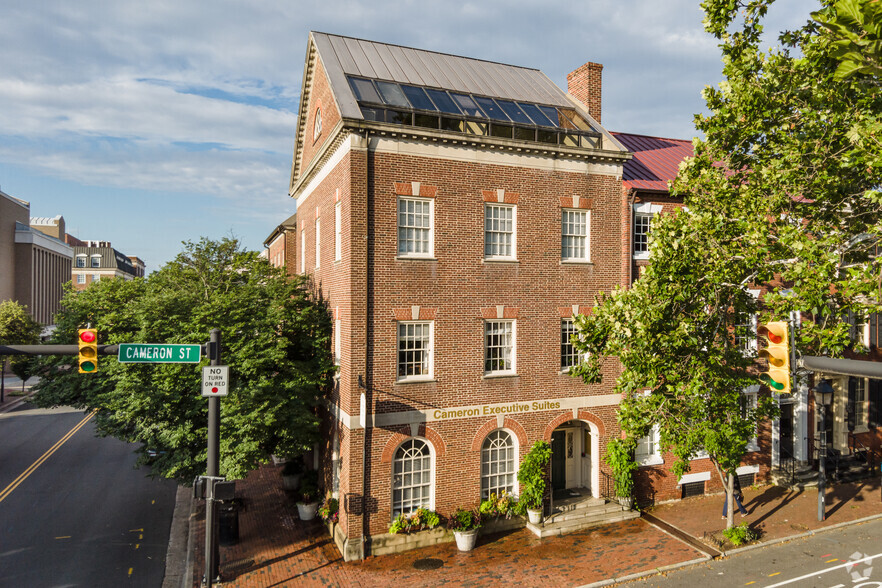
x=277 y=549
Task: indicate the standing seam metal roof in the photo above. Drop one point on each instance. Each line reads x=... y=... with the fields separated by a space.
x=346 y=56
x=656 y=160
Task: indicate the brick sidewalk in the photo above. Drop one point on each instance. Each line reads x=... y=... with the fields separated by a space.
x=277 y=549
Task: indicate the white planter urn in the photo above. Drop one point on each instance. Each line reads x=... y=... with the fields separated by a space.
x=465 y=540
x=307 y=510
x=534 y=515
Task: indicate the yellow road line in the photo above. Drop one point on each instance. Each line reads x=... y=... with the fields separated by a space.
x=130 y=571
x=751 y=582
x=64 y=537
x=775 y=574
x=832 y=560
x=24 y=475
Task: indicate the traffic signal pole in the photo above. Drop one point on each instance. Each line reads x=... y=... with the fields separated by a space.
x=212 y=469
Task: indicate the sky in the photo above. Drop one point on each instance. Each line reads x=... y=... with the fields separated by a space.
x=153 y=123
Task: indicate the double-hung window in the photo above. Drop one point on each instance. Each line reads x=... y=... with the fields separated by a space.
x=647 y=451
x=415 y=350
x=415 y=221
x=81 y=278
x=96 y=261
x=81 y=261
x=318 y=242
x=641 y=233
x=569 y=356
x=338 y=231
x=748 y=407
x=302 y=250
x=499 y=231
x=499 y=347
x=574 y=238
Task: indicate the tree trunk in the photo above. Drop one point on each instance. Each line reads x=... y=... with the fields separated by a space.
x=730 y=501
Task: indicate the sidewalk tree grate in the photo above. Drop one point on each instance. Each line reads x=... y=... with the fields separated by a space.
x=428 y=563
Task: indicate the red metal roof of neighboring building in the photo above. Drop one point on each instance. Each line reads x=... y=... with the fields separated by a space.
x=656 y=160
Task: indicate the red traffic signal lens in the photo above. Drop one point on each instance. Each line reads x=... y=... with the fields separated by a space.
x=88 y=336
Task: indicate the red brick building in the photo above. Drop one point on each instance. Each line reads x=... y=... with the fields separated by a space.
x=456 y=213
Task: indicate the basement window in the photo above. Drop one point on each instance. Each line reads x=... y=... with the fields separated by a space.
x=693 y=489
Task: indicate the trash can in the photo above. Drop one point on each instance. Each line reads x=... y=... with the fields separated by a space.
x=228 y=523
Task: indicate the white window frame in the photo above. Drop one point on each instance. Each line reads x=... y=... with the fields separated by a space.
x=643 y=210
x=400 y=504
x=302 y=251
x=317 y=124
x=647 y=452
x=509 y=465
x=318 y=242
x=429 y=351
x=750 y=395
x=861 y=406
x=338 y=231
x=95 y=260
x=81 y=278
x=512 y=254
x=429 y=241
x=96 y=277
x=512 y=347
x=586 y=245
x=338 y=346
x=568 y=327
x=81 y=260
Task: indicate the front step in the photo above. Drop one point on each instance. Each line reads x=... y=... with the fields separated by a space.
x=582 y=515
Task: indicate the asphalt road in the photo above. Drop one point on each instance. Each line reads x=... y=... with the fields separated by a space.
x=849 y=556
x=73 y=510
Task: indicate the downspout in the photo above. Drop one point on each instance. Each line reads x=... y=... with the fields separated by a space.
x=369 y=397
x=632 y=195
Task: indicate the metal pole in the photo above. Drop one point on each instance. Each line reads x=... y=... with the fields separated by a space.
x=212 y=467
x=822 y=466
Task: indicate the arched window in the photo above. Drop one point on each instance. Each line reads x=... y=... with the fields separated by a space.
x=498 y=463
x=317 y=124
x=412 y=477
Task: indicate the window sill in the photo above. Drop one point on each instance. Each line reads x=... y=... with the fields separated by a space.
x=651 y=461
x=499 y=260
x=576 y=262
x=415 y=258
x=422 y=380
x=499 y=375
x=642 y=256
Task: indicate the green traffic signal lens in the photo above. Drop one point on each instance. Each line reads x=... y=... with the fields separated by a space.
x=88 y=366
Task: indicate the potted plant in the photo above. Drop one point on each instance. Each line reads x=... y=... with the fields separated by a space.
x=464 y=524
x=620 y=457
x=533 y=476
x=502 y=506
x=309 y=495
x=291 y=473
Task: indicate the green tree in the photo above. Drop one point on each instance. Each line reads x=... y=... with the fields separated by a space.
x=782 y=192
x=275 y=338
x=17 y=327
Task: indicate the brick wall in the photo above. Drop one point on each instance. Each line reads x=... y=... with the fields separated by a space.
x=586 y=84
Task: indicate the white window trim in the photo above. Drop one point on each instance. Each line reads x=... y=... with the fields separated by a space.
x=566 y=370
x=318 y=243
x=430 y=254
x=514 y=233
x=516 y=447
x=654 y=457
x=587 y=258
x=697 y=477
x=81 y=278
x=514 y=348
x=433 y=468
x=338 y=231
x=93 y=259
x=752 y=391
x=81 y=258
x=338 y=347
x=302 y=251
x=431 y=351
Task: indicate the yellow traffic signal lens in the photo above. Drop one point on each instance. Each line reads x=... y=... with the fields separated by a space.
x=777 y=351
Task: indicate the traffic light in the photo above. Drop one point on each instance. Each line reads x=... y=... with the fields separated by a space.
x=88 y=342
x=777 y=351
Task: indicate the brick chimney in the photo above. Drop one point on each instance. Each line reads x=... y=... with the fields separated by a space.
x=585 y=85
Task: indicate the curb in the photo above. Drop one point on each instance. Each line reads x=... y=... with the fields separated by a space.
x=9 y=405
x=682 y=536
x=725 y=554
x=178 y=557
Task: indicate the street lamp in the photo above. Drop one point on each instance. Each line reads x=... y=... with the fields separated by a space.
x=823 y=398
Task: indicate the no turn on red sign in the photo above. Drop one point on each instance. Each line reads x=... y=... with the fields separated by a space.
x=215 y=380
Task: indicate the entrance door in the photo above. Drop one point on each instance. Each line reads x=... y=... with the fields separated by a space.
x=785 y=431
x=558 y=460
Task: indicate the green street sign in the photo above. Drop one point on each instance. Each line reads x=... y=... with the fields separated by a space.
x=159 y=353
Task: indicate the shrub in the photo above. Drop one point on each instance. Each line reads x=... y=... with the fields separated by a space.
x=740 y=534
x=619 y=456
x=503 y=505
x=329 y=510
x=533 y=476
x=421 y=518
x=309 y=491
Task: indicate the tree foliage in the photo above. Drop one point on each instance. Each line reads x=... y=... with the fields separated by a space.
x=275 y=337
x=17 y=327
x=783 y=192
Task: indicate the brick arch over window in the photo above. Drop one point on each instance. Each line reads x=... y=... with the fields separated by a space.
x=403 y=435
x=491 y=425
x=583 y=415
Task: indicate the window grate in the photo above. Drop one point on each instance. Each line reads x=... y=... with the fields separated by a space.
x=746 y=480
x=693 y=489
